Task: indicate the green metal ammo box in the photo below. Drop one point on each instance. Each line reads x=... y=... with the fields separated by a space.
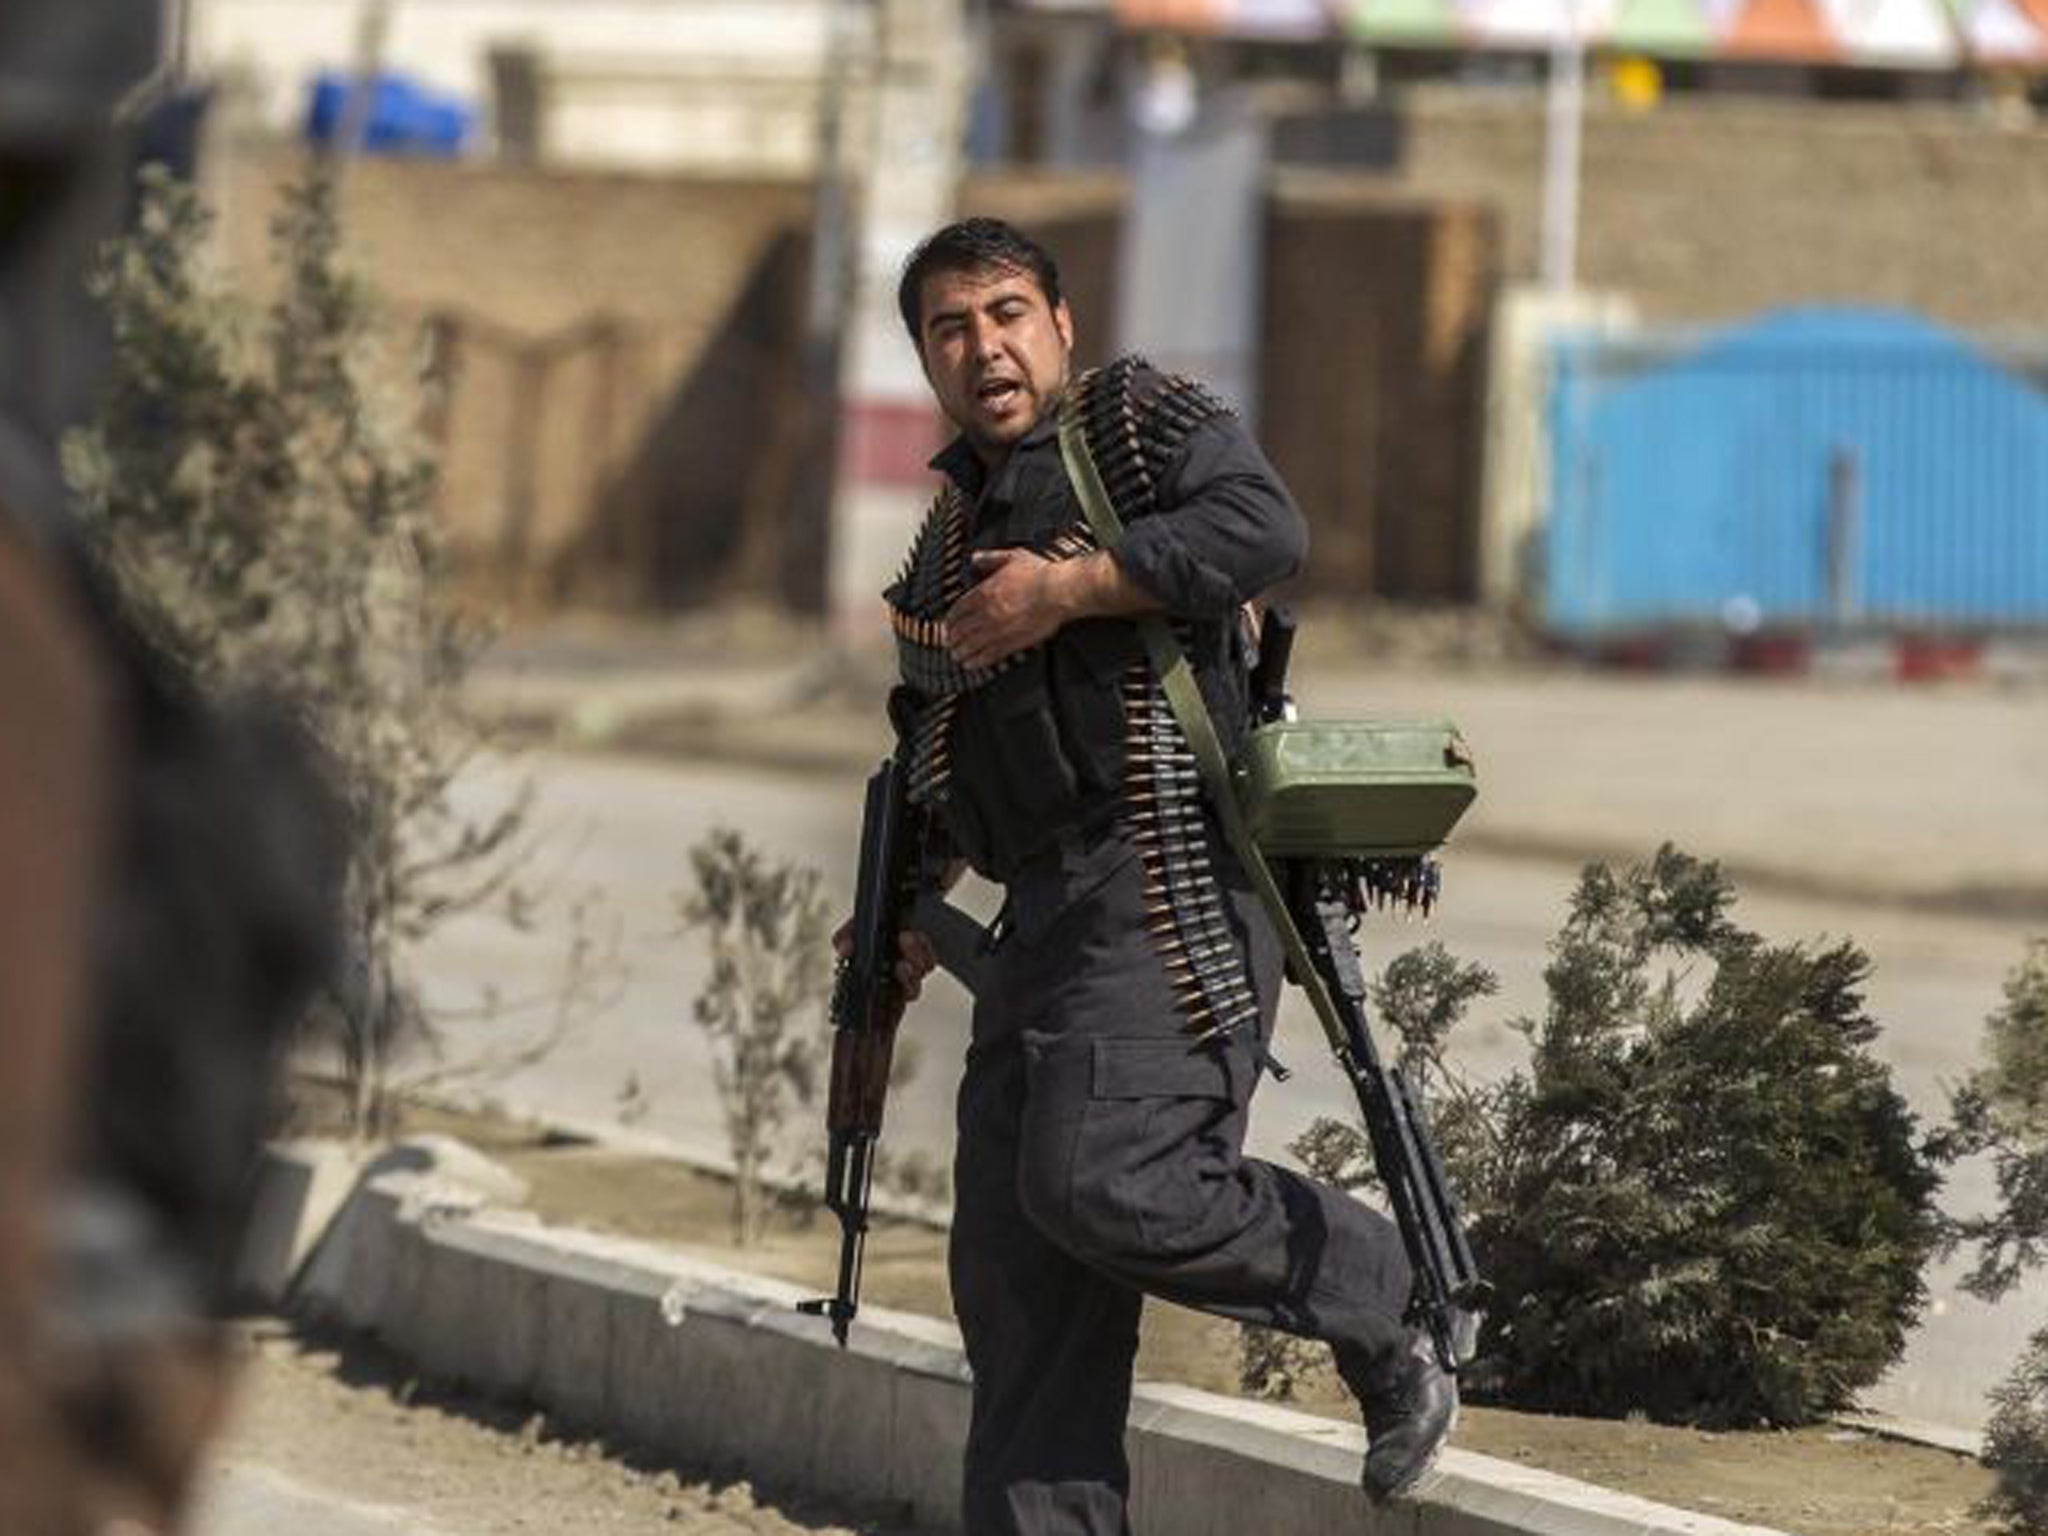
x=1368 y=789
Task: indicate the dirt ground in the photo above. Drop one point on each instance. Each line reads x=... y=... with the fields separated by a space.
x=343 y=1416
x=1822 y=1481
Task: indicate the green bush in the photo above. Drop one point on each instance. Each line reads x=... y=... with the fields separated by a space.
x=763 y=1006
x=1703 y=1200
x=2001 y=1111
x=1710 y=1204
x=2016 y=1443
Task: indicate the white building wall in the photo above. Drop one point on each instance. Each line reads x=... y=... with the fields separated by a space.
x=660 y=83
x=694 y=117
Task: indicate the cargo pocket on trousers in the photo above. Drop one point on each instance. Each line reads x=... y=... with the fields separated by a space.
x=1166 y=1115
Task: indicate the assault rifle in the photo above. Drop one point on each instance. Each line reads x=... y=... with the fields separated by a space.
x=1327 y=898
x=867 y=1005
x=898 y=887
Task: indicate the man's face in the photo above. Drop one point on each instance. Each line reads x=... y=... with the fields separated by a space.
x=996 y=353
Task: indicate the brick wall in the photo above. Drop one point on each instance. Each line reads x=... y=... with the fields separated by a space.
x=1716 y=209
x=602 y=330
x=533 y=250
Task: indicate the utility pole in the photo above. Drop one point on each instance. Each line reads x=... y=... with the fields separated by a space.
x=1565 y=115
x=831 y=274
x=373 y=31
x=178 y=41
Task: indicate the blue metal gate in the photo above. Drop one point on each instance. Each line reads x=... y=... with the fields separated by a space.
x=1819 y=469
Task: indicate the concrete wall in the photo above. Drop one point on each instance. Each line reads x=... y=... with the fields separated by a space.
x=718 y=113
x=640 y=81
x=1707 y=209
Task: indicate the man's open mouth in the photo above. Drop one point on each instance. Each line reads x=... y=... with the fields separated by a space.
x=998 y=391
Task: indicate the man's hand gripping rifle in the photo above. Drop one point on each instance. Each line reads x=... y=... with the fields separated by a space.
x=867 y=1005
x=1327 y=898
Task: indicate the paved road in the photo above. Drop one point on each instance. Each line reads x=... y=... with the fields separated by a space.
x=1932 y=796
x=620 y=831
x=1935 y=795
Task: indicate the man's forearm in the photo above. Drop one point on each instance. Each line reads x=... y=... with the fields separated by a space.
x=1024 y=598
x=1094 y=586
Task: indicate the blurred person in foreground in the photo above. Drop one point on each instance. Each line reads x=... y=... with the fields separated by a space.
x=1103 y=1107
x=168 y=870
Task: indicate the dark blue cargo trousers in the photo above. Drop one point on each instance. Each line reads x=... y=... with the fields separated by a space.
x=1100 y=1161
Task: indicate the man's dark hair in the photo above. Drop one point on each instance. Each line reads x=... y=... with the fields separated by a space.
x=973 y=245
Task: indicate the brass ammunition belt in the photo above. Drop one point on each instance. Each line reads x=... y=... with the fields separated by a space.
x=934 y=577
x=1133 y=443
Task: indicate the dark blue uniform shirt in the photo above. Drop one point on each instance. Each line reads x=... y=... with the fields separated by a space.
x=1038 y=753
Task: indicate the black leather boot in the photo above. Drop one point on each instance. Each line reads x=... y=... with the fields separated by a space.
x=1410 y=1408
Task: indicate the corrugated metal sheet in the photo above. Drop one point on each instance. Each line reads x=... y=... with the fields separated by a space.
x=1817 y=469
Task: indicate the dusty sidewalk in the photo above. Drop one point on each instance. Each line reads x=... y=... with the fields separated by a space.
x=323 y=1418
x=1928 y=796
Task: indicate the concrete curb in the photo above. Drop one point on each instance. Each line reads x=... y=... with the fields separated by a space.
x=715 y=1367
x=309 y=1198
x=1939 y=1437
x=301 y=1187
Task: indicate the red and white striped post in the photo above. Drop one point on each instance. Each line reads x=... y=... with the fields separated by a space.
x=888 y=426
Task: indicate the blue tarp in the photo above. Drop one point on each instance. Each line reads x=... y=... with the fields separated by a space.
x=403 y=117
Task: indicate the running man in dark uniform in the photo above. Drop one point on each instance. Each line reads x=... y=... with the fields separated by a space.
x=1124 y=1013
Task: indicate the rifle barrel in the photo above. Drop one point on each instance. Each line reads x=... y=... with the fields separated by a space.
x=1449 y=1288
